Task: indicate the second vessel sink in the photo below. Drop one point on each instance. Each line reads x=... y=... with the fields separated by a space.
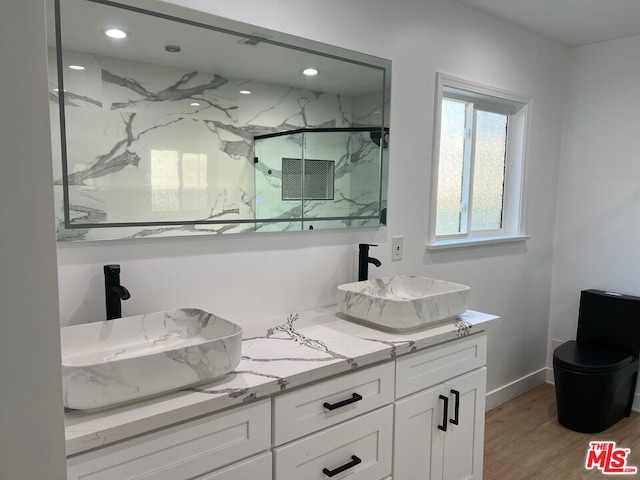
x=401 y=303
x=106 y=363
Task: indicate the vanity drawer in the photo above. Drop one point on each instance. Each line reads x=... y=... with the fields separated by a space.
x=258 y=468
x=181 y=452
x=421 y=370
x=303 y=411
x=364 y=442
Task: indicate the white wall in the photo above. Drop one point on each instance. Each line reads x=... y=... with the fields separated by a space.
x=243 y=276
x=597 y=241
x=31 y=431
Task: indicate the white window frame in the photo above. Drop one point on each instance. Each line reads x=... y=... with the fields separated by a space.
x=518 y=109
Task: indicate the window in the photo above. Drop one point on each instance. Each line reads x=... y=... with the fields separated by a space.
x=477 y=164
x=178 y=184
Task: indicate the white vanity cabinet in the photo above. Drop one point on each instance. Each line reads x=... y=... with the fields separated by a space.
x=439 y=431
x=382 y=422
x=184 y=451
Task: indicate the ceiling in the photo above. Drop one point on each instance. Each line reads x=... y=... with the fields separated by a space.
x=568 y=22
x=207 y=50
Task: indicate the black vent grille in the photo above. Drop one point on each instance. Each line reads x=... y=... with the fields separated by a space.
x=319 y=179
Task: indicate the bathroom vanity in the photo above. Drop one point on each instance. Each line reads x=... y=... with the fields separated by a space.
x=314 y=397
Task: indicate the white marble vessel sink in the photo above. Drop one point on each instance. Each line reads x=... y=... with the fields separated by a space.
x=116 y=361
x=403 y=302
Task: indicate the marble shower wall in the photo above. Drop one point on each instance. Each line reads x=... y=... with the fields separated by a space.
x=353 y=186
x=359 y=183
x=152 y=143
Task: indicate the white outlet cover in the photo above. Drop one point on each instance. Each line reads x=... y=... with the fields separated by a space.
x=397 y=248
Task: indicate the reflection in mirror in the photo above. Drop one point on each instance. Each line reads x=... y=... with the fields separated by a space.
x=188 y=124
x=335 y=186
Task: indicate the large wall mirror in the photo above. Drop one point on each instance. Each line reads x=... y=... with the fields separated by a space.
x=166 y=121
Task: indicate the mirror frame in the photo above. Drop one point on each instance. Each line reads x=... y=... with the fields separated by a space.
x=244 y=31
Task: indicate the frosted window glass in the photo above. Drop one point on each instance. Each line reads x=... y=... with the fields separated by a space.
x=165 y=181
x=164 y=169
x=451 y=167
x=194 y=170
x=488 y=171
x=194 y=181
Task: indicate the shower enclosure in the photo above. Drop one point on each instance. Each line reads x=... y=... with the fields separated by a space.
x=320 y=178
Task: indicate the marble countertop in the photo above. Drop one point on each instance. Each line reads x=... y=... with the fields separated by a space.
x=278 y=353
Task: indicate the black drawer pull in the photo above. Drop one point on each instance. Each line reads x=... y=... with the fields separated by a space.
x=354 y=461
x=445 y=413
x=332 y=406
x=456 y=408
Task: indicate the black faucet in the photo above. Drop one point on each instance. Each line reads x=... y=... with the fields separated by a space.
x=113 y=291
x=365 y=260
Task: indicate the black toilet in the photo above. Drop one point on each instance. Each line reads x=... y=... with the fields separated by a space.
x=596 y=374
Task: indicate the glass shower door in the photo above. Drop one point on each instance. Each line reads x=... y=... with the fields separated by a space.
x=278 y=182
x=342 y=179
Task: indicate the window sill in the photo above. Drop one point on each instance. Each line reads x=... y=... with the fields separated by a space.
x=472 y=242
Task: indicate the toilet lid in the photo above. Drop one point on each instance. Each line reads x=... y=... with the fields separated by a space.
x=589 y=358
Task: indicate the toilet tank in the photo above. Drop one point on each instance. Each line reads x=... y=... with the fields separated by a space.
x=609 y=320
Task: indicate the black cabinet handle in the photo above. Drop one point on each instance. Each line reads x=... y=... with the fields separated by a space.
x=456 y=408
x=445 y=413
x=354 y=461
x=332 y=406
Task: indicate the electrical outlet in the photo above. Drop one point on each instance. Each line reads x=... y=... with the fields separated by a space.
x=396 y=248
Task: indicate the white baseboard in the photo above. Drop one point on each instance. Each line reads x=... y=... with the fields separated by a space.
x=550 y=378
x=517 y=387
x=636 y=398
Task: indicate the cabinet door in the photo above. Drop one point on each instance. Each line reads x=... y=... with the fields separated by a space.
x=182 y=452
x=464 y=442
x=419 y=442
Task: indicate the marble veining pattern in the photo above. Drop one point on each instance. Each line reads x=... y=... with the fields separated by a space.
x=464 y=328
x=107 y=363
x=277 y=353
x=122 y=116
x=402 y=302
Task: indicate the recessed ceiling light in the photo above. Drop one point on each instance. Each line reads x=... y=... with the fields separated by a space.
x=173 y=48
x=310 y=72
x=76 y=67
x=194 y=104
x=115 y=33
x=245 y=92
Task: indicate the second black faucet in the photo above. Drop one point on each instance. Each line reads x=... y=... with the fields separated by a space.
x=113 y=291
x=364 y=260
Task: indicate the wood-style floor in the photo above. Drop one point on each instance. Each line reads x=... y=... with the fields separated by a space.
x=523 y=441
